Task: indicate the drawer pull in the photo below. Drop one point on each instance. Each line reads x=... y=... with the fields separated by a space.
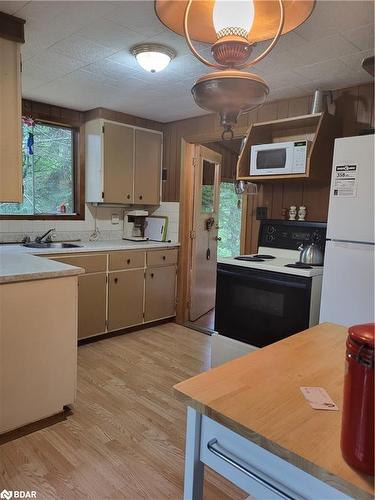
x=152 y=275
x=211 y=447
x=115 y=280
x=164 y=257
x=128 y=261
x=128 y=196
x=140 y=197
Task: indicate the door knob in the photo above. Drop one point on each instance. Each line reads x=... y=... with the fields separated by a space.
x=217 y=238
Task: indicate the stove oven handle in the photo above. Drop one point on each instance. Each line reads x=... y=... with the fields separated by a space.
x=303 y=284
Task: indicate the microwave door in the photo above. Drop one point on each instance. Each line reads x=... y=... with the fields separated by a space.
x=276 y=160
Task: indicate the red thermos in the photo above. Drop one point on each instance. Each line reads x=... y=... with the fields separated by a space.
x=357 y=428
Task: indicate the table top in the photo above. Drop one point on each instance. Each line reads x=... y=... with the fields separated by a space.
x=258 y=396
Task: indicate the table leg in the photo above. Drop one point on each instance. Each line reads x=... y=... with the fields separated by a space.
x=194 y=468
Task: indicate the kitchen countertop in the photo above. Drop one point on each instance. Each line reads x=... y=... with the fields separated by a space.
x=258 y=396
x=19 y=263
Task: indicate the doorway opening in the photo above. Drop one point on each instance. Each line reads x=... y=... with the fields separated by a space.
x=215 y=199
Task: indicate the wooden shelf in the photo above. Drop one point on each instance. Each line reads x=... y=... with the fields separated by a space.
x=320 y=129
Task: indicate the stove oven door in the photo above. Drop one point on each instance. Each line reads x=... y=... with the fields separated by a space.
x=260 y=307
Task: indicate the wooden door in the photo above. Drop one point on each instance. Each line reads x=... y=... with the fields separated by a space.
x=125 y=298
x=10 y=122
x=160 y=293
x=118 y=163
x=147 y=172
x=91 y=304
x=207 y=164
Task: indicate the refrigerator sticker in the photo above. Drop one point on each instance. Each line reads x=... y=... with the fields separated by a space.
x=345 y=180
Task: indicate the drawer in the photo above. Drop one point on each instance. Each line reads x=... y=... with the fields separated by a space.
x=93 y=263
x=126 y=260
x=162 y=257
x=256 y=470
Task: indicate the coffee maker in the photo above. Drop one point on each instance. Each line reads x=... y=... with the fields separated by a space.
x=134 y=225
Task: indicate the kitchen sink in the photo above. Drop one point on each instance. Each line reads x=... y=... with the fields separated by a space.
x=35 y=244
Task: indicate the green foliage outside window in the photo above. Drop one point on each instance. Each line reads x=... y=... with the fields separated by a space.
x=229 y=221
x=48 y=174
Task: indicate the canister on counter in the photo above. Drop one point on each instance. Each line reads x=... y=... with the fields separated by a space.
x=357 y=429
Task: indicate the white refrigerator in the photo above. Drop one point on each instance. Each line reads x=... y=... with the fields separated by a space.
x=348 y=279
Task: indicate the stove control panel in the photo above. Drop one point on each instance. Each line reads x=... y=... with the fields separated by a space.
x=291 y=234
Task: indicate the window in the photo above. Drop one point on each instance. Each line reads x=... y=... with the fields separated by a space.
x=48 y=172
x=230 y=210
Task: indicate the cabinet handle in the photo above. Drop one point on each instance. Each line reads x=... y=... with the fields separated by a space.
x=152 y=275
x=164 y=257
x=128 y=196
x=140 y=197
x=128 y=261
x=115 y=280
x=211 y=447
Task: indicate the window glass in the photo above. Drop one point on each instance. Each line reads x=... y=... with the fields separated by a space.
x=230 y=208
x=48 y=171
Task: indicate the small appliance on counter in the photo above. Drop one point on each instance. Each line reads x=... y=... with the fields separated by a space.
x=134 y=225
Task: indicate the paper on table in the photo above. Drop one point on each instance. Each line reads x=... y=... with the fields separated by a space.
x=318 y=398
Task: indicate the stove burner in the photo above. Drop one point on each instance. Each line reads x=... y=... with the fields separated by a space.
x=299 y=265
x=265 y=257
x=247 y=258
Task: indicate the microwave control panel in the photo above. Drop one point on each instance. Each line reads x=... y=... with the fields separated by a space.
x=299 y=157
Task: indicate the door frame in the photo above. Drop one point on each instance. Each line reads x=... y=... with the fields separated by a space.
x=186 y=218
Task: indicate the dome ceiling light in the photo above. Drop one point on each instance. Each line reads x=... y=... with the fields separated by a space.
x=153 y=57
x=232 y=27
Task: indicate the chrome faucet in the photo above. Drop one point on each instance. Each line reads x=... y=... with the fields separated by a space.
x=46 y=236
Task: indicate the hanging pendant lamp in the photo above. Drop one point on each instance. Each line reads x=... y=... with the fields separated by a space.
x=232 y=27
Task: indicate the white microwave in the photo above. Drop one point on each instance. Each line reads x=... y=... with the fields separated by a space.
x=278 y=158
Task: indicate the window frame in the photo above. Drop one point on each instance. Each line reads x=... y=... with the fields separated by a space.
x=78 y=176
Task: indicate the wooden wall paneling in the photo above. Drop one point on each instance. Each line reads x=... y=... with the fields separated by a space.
x=277 y=201
x=346 y=109
x=283 y=109
x=315 y=198
x=292 y=194
x=268 y=112
x=365 y=107
x=299 y=106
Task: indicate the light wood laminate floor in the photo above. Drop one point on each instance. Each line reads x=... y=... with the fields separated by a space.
x=125 y=439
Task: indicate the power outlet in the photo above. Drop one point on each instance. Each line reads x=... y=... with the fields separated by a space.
x=115 y=219
x=261 y=213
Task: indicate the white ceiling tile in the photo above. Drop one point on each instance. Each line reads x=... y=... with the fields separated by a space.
x=362 y=37
x=137 y=15
x=354 y=61
x=335 y=16
x=77 y=55
x=11 y=7
x=110 y=34
x=80 y=48
x=332 y=67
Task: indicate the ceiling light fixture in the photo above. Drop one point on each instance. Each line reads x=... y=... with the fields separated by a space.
x=232 y=27
x=153 y=57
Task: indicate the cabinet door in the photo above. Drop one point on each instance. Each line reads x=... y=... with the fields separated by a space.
x=118 y=144
x=125 y=298
x=147 y=167
x=10 y=122
x=160 y=293
x=91 y=304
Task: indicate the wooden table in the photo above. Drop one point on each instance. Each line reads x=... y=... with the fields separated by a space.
x=248 y=420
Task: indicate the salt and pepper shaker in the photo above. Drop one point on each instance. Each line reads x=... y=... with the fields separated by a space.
x=292 y=212
x=302 y=213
